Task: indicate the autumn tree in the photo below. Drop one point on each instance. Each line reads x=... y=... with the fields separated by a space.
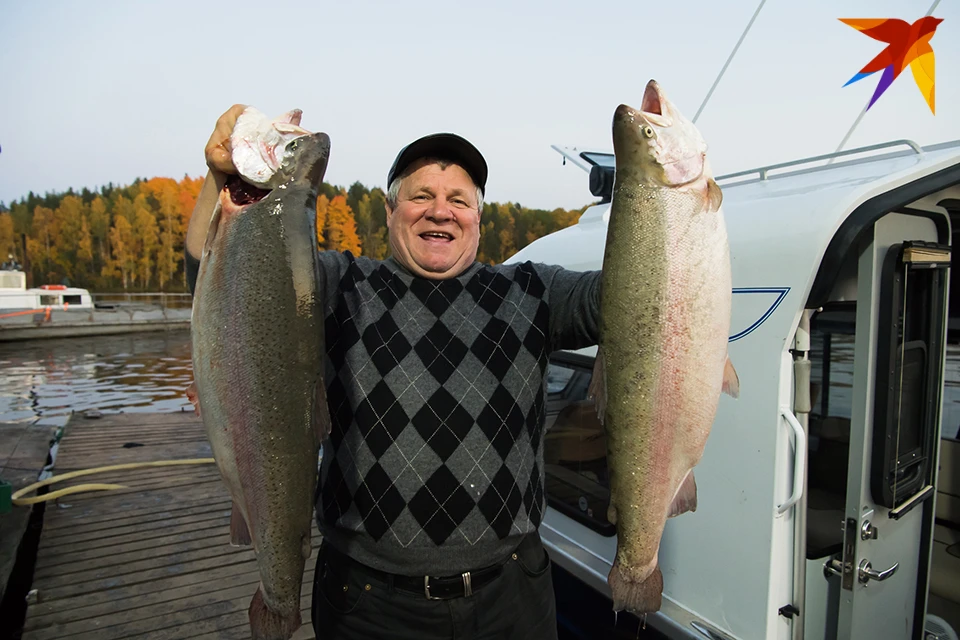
x=122 y=261
x=147 y=238
x=341 y=227
x=40 y=245
x=165 y=192
x=99 y=230
x=8 y=241
x=372 y=225
x=323 y=203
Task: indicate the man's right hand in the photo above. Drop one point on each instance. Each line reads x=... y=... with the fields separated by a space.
x=219 y=157
x=218 y=152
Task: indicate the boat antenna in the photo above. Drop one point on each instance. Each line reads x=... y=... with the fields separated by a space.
x=864 y=111
x=727 y=63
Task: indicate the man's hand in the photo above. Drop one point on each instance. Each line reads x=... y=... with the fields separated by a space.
x=218 y=154
x=218 y=150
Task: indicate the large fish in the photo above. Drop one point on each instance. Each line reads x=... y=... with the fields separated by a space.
x=258 y=345
x=665 y=314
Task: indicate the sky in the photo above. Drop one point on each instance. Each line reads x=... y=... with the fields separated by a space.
x=106 y=91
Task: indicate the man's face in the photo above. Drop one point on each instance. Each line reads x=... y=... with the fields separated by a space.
x=435 y=227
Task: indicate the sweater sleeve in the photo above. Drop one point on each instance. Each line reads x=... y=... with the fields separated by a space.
x=574 y=299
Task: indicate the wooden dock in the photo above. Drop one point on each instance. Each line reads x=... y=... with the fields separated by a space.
x=24 y=451
x=150 y=561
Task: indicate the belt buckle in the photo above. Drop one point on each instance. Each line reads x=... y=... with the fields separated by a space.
x=467 y=586
x=426 y=589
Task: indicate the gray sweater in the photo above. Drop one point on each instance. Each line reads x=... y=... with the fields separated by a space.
x=436 y=393
x=437 y=397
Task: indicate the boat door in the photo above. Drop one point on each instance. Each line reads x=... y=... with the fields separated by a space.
x=898 y=361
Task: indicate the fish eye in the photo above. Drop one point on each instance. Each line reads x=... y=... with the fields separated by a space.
x=647 y=131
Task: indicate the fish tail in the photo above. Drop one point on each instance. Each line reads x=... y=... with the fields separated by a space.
x=636 y=596
x=267 y=624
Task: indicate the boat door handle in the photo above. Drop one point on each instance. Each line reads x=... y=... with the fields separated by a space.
x=799 y=461
x=868 y=573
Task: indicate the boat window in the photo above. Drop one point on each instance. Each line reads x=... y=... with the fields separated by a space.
x=71 y=299
x=575 y=445
x=908 y=389
x=47 y=300
x=831 y=381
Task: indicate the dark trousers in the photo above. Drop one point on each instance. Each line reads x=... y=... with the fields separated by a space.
x=350 y=603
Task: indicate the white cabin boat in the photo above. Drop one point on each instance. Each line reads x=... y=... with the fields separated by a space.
x=14 y=295
x=819 y=514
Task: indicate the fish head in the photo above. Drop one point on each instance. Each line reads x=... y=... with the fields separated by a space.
x=305 y=160
x=260 y=146
x=656 y=143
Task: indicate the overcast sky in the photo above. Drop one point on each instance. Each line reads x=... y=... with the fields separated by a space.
x=104 y=91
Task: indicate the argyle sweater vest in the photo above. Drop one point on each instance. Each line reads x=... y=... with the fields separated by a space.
x=436 y=393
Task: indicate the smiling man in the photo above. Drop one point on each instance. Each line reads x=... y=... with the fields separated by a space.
x=432 y=481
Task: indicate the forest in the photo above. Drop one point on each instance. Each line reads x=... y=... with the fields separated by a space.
x=130 y=238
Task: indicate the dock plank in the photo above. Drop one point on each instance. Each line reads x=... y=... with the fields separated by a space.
x=152 y=560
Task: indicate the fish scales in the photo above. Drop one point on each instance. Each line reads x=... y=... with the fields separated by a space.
x=665 y=309
x=257 y=352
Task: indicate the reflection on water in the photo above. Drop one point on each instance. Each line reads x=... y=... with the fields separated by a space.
x=145 y=372
x=841 y=380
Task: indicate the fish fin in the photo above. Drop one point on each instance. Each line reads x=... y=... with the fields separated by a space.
x=239 y=532
x=267 y=624
x=306 y=547
x=212 y=228
x=612 y=514
x=636 y=596
x=714 y=197
x=731 y=381
x=193 y=397
x=597 y=389
x=686 y=498
x=321 y=414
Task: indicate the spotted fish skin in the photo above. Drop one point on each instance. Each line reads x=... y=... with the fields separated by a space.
x=665 y=315
x=258 y=344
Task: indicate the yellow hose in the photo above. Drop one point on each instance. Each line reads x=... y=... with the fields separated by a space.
x=17 y=500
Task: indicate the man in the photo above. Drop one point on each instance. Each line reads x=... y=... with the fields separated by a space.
x=432 y=482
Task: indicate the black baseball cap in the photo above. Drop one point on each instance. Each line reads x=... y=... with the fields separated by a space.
x=443 y=145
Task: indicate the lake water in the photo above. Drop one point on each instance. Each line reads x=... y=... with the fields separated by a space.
x=143 y=372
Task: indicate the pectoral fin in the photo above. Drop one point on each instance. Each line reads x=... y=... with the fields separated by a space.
x=731 y=382
x=686 y=498
x=193 y=397
x=239 y=531
x=714 y=196
x=597 y=390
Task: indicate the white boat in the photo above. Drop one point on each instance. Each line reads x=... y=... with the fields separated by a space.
x=827 y=503
x=14 y=295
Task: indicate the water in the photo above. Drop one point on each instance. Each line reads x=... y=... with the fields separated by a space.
x=143 y=372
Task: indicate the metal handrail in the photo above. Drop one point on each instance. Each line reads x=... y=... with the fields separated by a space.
x=799 y=461
x=762 y=171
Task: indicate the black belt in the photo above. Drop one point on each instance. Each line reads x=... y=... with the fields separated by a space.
x=432 y=587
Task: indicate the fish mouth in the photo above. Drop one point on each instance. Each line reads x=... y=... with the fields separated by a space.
x=436 y=236
x=652 y=107
x=242 y=193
